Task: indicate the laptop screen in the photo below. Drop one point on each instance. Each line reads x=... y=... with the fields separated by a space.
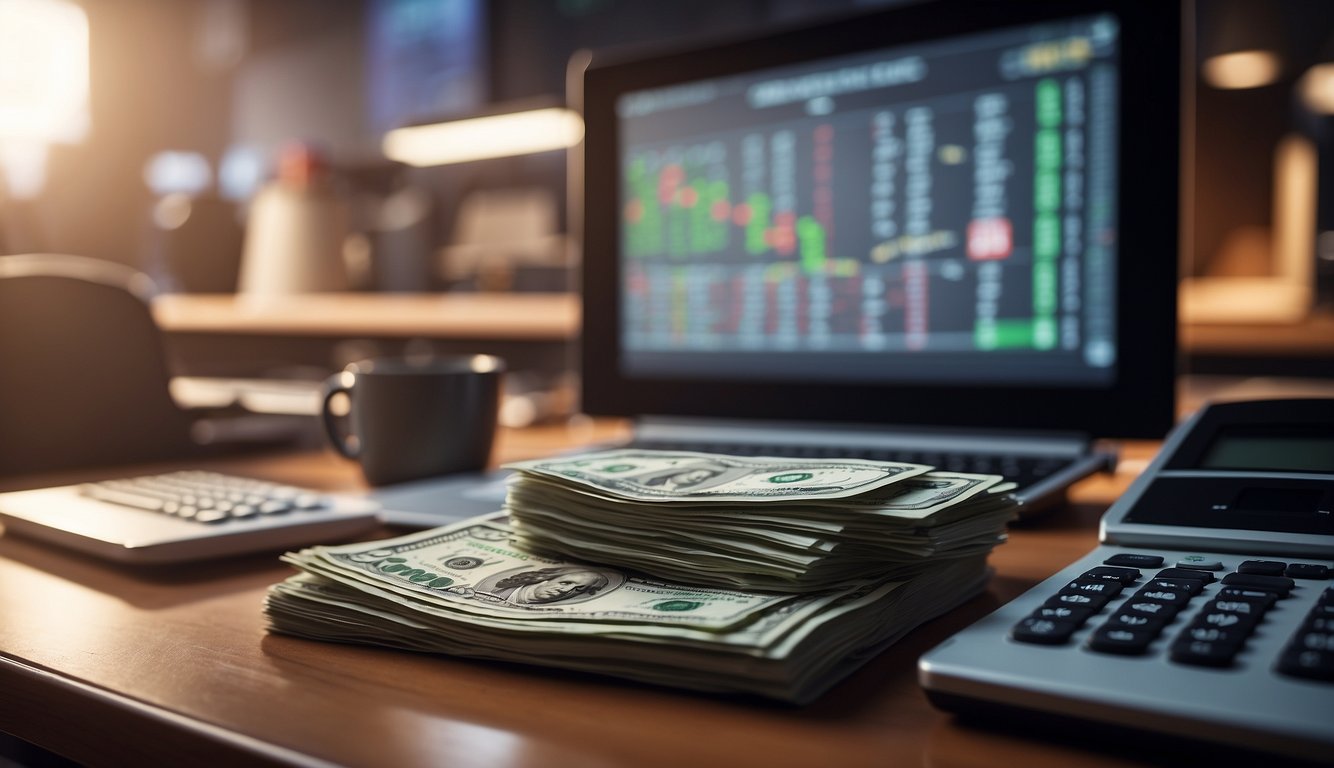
x=930 y=209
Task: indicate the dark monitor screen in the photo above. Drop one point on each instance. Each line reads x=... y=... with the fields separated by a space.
x=918 y=204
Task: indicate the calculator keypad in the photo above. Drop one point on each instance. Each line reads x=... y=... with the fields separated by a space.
x=1218 y=621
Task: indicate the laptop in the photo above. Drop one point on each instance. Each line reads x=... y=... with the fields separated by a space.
x=945 y=233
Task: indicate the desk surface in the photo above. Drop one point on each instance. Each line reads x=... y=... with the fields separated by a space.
x=107 y=665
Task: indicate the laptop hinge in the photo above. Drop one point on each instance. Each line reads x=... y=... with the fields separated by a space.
x=673 y=429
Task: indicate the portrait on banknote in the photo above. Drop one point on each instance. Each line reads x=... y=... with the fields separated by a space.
x=563 y=584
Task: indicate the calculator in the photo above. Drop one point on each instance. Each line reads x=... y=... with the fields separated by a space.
x=1206 y=611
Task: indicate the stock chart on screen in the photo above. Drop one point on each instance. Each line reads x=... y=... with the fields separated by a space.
x=942 y=211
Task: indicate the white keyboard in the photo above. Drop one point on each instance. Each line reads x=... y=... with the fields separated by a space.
x=182 y=516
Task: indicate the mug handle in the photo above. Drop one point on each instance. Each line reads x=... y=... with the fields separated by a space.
x=336 y=384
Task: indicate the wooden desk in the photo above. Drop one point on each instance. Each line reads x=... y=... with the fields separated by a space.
x=247 y=336
x=498 y=316
x=114 y=666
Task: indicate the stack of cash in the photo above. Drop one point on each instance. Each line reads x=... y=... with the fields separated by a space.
x=784 y=525
x=467 y=590
x=773 y=577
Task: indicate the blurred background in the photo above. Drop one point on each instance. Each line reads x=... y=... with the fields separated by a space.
x=188 y=138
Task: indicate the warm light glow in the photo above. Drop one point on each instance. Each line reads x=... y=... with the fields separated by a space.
x=480 y=138
x=171 y=172
x=43 y=70
x=1317 y=89
x=1242 y=69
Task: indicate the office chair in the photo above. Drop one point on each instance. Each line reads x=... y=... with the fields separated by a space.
x=83 y=374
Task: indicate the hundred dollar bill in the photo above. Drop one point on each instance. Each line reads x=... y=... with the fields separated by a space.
x=683 y=476
x=925 y=495
x=472 y=568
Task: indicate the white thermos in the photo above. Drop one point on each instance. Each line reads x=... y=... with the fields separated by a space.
x=295 y=231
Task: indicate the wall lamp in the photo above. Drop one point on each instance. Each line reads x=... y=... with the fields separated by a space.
x=481 y=138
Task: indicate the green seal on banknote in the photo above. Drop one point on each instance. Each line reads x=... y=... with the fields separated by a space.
x=791 y=477
x=677 y=606
x=620 y=467
x=463 y=563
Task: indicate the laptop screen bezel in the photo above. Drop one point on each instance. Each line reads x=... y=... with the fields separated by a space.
x=1140 y=403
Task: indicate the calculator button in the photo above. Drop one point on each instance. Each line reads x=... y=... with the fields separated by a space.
x=1200 y=562
x=1173 y=597
x=1212 y=617
x=1263 y=567
x=1104 y=587
x=1203 y=653
x=1278 y=584
x=1131 y=560
x=1043 y=631
x=1113 y=639
x=1132 y=619
x=1314 y=641
x=1079 y=600
x=210 y=516
x=1191 y=587
x=1304 y=662
x=1150 y=608
x=1306 y=571
x=1241 y=607
x=1185 y=573
x=1121 y=575
x=1206 y=634
x=1064 y=613
x=1263 y=597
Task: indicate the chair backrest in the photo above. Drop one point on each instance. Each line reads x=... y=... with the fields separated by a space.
x=83 y=373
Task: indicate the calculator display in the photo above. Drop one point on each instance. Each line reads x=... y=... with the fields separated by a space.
x=1240 y=449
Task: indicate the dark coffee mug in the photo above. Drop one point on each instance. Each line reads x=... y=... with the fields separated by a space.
x=415 y=419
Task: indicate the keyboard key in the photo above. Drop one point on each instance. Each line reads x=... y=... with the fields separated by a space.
x=1120 y=575
x=1306 y=571
x=1043 y=631
x=1126 y=641
x=1278 y=584
x=275 y=507
x=1263 y=567
x=308 y=501
x=1185 y=573
x=122 y=497
x=1131 y=560
x=244 y=511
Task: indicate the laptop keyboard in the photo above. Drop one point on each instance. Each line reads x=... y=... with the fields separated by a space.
x=1024 y=471
x=204 y=497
